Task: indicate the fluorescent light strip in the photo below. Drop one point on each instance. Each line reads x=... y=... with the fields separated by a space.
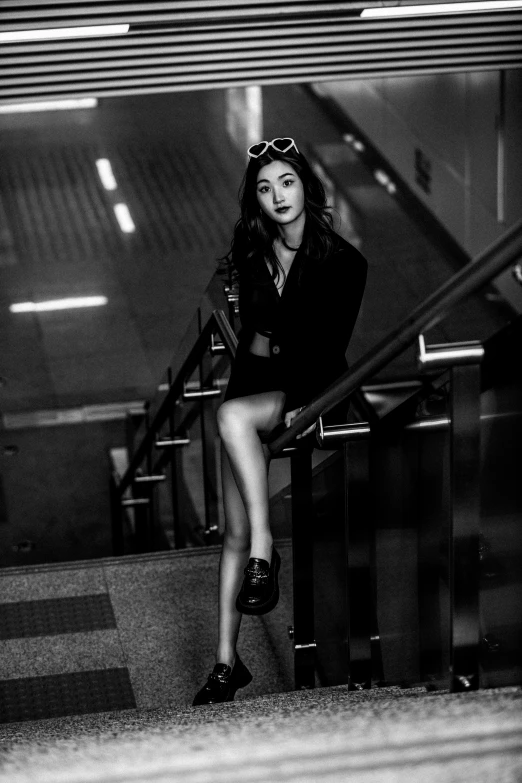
x=71 y=103
x=441 y=8
x=71 y=303
x=87 y=31
x=123 y=216
x=106 y=174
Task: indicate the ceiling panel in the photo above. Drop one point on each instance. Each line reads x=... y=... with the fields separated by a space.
x=191 y=44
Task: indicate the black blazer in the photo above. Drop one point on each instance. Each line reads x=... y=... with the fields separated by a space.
x=314 y=318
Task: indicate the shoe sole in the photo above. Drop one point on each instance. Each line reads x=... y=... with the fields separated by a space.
x=268 y=605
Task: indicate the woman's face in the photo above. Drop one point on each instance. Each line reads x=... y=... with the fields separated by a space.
x=280 y=192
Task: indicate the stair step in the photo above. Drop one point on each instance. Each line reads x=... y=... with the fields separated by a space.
x=329 y=734
x=73 y=633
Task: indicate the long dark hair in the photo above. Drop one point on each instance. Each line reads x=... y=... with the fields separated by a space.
x=254 y=232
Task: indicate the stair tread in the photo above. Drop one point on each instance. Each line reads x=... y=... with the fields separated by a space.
x=279 y=737
x=334 y=703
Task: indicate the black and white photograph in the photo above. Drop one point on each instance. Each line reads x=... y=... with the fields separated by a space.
x=261 y=391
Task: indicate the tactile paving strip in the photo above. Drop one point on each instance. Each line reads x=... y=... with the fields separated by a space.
x=56 y=616
x=55 y=696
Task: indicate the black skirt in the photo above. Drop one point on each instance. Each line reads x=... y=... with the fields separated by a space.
x=252 y=374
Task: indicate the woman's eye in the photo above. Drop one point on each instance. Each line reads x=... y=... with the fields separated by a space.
x=263 y=189
x=288 y=182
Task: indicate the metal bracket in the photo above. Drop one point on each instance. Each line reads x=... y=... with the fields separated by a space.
x=130 y=502
x=199 y=393
x=149 y=479
x=167 y=443
x=216 y=347
x=443 y=355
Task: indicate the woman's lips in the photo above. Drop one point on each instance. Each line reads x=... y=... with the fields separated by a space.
x=282 y=209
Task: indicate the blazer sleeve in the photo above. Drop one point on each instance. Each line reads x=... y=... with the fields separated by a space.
x=328 y=312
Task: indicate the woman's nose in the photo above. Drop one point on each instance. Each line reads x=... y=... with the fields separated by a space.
x=278 y=196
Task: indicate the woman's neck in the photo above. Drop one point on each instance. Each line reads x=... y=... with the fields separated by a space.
x=291 y=236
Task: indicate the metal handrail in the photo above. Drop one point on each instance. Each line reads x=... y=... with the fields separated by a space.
x=217 y=322
x=481 y=270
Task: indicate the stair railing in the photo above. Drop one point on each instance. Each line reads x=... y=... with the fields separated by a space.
x=134 y=490
x=504 y=252
x=463 y=361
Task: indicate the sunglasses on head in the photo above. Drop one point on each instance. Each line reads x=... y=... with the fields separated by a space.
x=281 y=145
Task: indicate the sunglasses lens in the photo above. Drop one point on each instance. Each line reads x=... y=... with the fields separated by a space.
x=257 y=149
x=283 y=145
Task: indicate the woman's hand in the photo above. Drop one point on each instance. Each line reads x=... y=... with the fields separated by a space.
x=290 y=416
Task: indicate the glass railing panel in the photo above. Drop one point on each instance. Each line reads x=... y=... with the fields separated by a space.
x=501 y=532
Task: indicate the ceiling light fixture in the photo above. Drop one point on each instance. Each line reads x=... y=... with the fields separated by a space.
x=106 y=174
x=46 y=34
x=124 y=218
x=71 y=303
x=69 y=103
x=441 y=8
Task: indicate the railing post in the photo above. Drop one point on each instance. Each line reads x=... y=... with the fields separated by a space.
x=361 y=632
x=116 y=517
x=465 y=524
x=142 y=516
x=433 y=508
x=463 y=361
x=359 y=530
x=177 y=528
x=303 y=520
x=209 y=436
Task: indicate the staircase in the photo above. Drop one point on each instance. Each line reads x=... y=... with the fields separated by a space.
x=135 y=633
x=329 y=734
x=100 y=661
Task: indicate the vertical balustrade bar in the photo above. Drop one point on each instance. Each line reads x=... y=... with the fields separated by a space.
x=175 y=479
x=433 y=510
x=463 y=360
x=142 y=518
x=149 y=511
x=465 y=527
x=303 y=520
x=208 y=453
x=359 y=528
x=116 y=517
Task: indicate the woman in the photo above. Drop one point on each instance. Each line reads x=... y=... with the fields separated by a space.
x=300 y=289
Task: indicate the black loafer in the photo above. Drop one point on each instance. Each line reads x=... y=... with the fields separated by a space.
x=259 y=593
x=223 y=683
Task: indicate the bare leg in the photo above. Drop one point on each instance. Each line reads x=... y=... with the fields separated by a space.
x=241 y=424
x=244 y=471
x=234 y=557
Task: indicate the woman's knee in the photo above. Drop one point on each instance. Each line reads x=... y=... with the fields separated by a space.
x=231 y=417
